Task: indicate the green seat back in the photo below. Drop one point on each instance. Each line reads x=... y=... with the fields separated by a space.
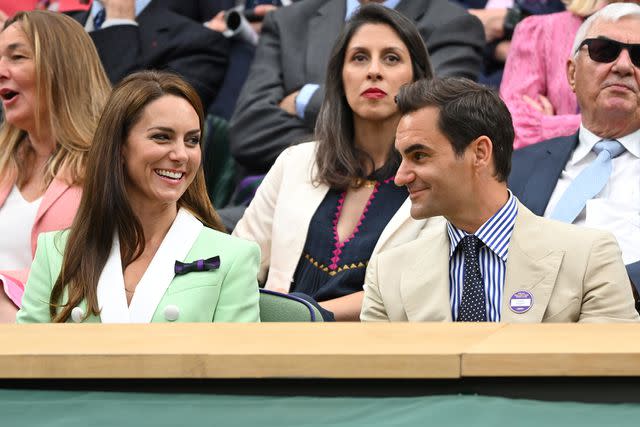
x=277 y=307
x=219 y=166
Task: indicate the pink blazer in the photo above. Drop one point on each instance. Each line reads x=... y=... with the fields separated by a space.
x=56 y=212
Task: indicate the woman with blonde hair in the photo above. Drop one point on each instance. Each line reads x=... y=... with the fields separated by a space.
x=534 y=85
x=146 y=245
x=53 y=89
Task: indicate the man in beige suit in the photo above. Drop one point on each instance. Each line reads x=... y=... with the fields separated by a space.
x=493 y=260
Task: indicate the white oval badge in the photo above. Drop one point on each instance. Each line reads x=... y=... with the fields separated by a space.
x=521 y=302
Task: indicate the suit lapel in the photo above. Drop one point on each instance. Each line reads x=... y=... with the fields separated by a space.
x=531 y=267
x=57 y=187
x=401 y=224
x=424 y=285
x=80 y=16
x=324 y=28
x=160 y=273
x=302 y=213
x=5 y=189
x=111 y=297
x=546 y=171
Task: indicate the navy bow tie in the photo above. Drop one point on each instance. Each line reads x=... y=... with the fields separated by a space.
x=198 y=265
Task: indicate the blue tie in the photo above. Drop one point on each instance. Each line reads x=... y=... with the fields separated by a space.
x=98 y=20
x=588 y=183
x=473 y=306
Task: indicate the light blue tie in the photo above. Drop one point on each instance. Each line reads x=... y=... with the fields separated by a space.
x=589 y=182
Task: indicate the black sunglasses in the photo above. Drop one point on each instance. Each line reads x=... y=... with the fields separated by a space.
x=607 y=50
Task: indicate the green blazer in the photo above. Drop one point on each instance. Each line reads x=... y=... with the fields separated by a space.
x=226 y=294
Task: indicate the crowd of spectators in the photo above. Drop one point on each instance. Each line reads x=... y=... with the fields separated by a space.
x=371 y=148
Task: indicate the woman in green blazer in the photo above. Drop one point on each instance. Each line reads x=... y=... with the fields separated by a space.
x=146 y=244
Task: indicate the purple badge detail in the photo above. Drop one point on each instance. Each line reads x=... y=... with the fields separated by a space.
x=521 y=302
x=212 y=263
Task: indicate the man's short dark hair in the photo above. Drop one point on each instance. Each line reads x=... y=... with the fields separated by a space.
x=467 y=111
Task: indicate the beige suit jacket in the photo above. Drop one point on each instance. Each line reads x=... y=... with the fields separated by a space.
x=278 y=218
x=574 y=275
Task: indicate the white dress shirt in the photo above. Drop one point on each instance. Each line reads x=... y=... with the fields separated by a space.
x=617 y=207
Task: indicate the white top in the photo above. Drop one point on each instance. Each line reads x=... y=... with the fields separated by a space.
x=18 y=217
x=617 y=207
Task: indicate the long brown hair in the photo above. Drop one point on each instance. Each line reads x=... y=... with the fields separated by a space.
x=104 y=208
x=340 y=163
x=72 y=88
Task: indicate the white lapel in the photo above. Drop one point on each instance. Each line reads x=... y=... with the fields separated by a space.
x=297 y=206
x=295 y=235
x=111 y=297
x=175 y=247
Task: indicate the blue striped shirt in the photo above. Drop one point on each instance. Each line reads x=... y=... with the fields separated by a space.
x=495 y=234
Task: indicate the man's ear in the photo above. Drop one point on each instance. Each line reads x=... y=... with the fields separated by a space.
x=483 y=153
x=571 y=73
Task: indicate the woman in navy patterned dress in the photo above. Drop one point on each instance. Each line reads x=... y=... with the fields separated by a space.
x=321 y=211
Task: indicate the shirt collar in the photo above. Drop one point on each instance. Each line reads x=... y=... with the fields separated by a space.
x=495 y=233
x=587 y=139
x=140 y=5
x=352 y=5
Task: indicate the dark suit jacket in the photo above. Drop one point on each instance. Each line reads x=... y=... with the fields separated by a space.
x=535 y=171
x=240 y=52
x=163 y=40
x=198 y=10
x=294 y=50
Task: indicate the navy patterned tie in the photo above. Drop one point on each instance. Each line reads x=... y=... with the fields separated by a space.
x=473 y=307
x=99 y=19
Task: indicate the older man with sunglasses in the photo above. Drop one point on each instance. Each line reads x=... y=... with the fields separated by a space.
x=593 y=177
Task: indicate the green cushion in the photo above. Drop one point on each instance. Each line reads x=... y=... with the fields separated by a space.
x=277 y=307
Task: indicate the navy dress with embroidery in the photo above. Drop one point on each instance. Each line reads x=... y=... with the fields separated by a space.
x=329 y=268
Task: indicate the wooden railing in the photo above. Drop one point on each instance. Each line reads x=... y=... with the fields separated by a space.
x=332 y=351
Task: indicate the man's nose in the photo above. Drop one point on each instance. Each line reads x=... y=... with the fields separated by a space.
x=622 y=64
x=403 y=176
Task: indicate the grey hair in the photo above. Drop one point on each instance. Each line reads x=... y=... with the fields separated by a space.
x=613 y=13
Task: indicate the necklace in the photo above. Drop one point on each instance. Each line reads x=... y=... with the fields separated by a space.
x=367 y=183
